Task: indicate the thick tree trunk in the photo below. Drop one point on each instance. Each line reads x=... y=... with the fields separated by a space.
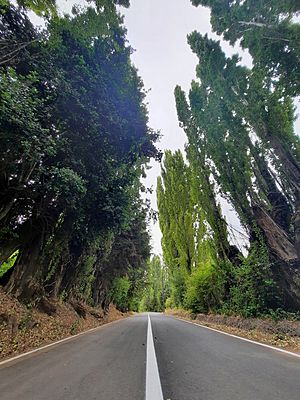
x=297 y=231
x=290 y=164
x=57 y=259
x=287 y=276
x=284 y=257
x=25 y=281
x=278 y=241
x=281 y=211
x=100 y=291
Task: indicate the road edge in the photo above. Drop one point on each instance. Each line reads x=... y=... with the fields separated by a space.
x=58 y=342
x=237 y=337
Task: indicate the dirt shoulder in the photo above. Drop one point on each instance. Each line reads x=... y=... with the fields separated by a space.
x=24 y=328
x=284 y=333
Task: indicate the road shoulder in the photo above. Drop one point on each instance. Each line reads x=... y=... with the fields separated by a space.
x=281 y=334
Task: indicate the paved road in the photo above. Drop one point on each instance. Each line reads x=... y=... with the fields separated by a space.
x=194 y=363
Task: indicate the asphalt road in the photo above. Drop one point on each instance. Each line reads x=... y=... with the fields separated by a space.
x=112 y=363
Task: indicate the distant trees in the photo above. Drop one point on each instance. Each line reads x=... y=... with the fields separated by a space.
x=74 y=139
x=156 y=287
x=141 y=289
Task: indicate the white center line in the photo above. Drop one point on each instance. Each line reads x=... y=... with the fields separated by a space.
x=153 y=385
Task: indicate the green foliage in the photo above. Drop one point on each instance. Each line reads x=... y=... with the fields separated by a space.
x=254 y=291
x=7 y=265
x=156 y=287
x=86 y=278
x=40 y=7
x=43 y=8
x=169 y=303
x=242 y=146
x=205 y=289
x=267 y=30
x=194 y=233
x=175 y=212
x=74 y=135
x=178 y=279
x=119 y=293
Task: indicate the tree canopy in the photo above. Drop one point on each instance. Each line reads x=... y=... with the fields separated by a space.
x=74 y=140
x=241 y=147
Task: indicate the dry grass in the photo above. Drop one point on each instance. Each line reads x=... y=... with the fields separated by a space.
x=24 y=328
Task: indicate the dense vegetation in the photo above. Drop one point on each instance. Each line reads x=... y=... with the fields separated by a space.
x=142 y=289
x=242 y=148
x=74 y=140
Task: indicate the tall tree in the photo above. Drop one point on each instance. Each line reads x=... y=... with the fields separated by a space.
x=156 y=286
x=187 y=237
x=267 y=30
x=74 y=147
x=240 y=130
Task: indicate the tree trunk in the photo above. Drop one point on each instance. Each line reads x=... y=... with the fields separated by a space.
x=290 y=164
x=285 y=261
x=100 y=291
x=281 y=211
x=297 y=231
x=25 y=281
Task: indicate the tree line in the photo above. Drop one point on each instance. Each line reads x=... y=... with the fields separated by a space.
x=74 y=141
x=241 y=147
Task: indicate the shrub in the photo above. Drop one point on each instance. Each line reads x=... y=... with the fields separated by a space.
x=205 y=289
x=254 y=290
x=119 y=293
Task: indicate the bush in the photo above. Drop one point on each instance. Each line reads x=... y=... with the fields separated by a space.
x=254 y=292
x=169 y=303
x=205 y=289
x=119 y=293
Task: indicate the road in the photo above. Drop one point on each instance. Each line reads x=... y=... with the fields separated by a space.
x=117 y=362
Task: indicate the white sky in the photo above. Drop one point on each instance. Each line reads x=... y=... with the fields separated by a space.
x=157 y=30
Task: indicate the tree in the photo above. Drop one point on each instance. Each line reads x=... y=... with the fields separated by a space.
x=189 y=242
x=267 y=30
x=74 y=130
x=155 y=290
x=239 y=129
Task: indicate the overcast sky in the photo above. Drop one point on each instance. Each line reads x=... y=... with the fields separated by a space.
x=157 y=30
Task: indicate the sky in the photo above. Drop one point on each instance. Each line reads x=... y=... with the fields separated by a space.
x=157 y=30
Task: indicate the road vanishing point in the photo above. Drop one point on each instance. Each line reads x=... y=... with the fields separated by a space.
x=152 y=357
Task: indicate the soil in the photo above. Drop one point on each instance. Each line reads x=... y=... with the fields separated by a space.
x=283 y=333
x=24 y=327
